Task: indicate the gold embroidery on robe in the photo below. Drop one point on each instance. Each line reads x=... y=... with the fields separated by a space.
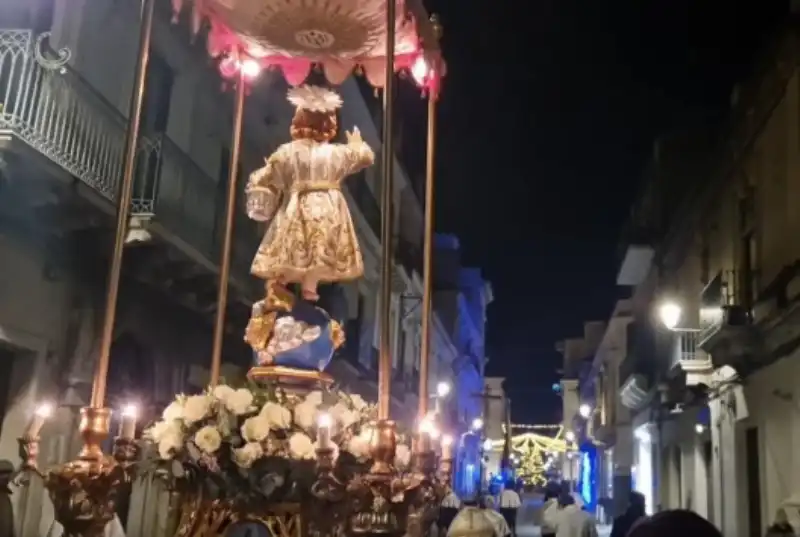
x=311 y=233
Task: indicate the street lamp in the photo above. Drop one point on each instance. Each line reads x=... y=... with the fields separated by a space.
x=670 y=314
x=477 y=424
x=585 y=411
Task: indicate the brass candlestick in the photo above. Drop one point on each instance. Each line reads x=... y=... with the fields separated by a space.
x=84 y=491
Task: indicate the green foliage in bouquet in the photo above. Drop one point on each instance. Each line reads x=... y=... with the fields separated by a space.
x=256 y=444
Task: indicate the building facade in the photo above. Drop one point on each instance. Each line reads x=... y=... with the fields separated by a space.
x=66 y=75
x=461 y=298
x=576 y=392
x=710 y=372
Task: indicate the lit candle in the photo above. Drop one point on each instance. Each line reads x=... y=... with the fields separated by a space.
x=42 y=412
x=127 y=423
x=447 y=447
x=324 y=423
x=427 y=432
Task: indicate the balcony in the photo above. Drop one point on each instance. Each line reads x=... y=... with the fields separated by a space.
x=687 y=354
x=638 y=368
x=49 y=111
x=727 y=332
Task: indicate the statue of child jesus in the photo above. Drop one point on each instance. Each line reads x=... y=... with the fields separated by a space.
x=310 y=237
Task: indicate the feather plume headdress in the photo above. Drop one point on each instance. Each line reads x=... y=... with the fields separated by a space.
x=314 y=99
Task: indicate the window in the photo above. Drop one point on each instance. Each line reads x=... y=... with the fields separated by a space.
x=154 y=120
x=749 y=250
x=157 y=95
x=705 y=260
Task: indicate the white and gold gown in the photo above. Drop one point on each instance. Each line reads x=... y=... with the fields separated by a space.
x=310 y=237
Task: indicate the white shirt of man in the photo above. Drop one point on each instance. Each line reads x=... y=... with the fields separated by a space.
x=509 y=499
x=572 y=521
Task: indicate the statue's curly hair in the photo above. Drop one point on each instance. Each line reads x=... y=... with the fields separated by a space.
x=317 y=126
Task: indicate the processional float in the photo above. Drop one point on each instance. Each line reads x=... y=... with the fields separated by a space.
x=287 y=453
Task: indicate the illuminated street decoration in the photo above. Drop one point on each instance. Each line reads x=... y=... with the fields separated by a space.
x=535 y=451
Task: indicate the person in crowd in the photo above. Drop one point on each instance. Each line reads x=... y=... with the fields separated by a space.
x=671 y=523
x=510 y=503
x=501 y=527
x=572 y=521
x=448 y=511
x=549 y=513
x=635 y=511
x=472 y=521
x=781 y=526
x=6 y=506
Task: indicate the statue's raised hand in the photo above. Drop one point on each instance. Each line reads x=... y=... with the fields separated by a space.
x=354 y=137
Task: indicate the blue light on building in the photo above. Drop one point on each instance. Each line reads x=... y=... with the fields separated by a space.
x=588 y=477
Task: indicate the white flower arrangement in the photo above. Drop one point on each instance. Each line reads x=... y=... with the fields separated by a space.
x=256 y=443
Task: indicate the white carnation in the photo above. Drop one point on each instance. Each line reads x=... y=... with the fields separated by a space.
x=305 y=414
x=170 y=442
x=208 y=439
x=196 y=408
x=240 y=401
x=277 y=415
x=222 y=393
x=245 y=456
x=173 y=412
x=160 y=429
x=301 y=446
x=358 y=402
x=343 y=415
x=314 y=398
x=359 y=445
x=402 y=456
x=255 y=429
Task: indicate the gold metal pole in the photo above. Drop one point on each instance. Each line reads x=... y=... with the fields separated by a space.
x=124 y=195
x=427 y=261
x=387 y=191
x=230 y=213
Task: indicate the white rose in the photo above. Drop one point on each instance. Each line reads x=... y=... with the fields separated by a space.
x=161 y=429
x=222 y=393
x=301 y=446
x=343 y=415
x=402 y=456
x=169 y=443
x=277 y=415
x=358 y=402
x=244 y=457
x=208 y=439
x=304 y=415
x=255 y=429
x=359 y=446
x=240 y=401
x=196 y=408
x=314 y=398
x=173 y=412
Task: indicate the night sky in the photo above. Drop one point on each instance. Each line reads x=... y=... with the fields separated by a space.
x=548 y=115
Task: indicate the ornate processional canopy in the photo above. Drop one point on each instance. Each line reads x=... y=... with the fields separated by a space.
x=338 y=35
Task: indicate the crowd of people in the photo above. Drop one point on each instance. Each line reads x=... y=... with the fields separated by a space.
x=563 y=515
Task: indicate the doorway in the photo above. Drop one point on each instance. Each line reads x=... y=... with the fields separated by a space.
x=753 y=482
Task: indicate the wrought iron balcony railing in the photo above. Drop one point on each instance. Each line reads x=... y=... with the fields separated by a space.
x=53 y=110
